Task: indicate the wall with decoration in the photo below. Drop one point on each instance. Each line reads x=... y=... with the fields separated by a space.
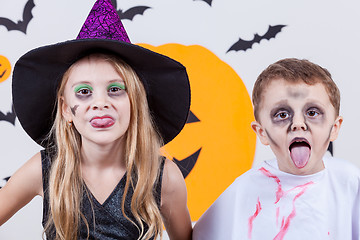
x=224 y=44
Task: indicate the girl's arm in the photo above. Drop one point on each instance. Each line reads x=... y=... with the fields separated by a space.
x=174 y=208
x=21 y=188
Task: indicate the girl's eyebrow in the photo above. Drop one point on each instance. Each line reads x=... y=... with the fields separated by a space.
x=117 y=80
x=81 y=82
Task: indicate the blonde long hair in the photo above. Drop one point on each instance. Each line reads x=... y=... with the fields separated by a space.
x=142 y=162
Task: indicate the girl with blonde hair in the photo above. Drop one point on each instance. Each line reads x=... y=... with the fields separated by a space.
x=101 y=107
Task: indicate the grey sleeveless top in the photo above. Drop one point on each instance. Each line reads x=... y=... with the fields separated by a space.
x=106 y=220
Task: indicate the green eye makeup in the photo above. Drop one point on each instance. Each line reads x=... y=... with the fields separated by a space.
x=82 y=86
x=117 y=84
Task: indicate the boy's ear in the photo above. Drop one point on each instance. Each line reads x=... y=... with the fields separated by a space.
x=65 y=110
x=336 y=128
x=260 y=132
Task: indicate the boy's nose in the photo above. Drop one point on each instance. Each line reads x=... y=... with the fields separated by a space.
x=298 y=123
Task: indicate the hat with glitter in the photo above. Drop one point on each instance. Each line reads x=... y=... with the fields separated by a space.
x=37 y=75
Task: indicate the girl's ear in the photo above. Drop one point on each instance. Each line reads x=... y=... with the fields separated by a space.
x=336 y=128
x=260 y=132
x=65 y=110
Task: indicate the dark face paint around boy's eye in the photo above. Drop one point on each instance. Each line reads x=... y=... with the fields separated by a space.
x=288 y=121
x=281 y=122
x=73 y=109
x=278 y=122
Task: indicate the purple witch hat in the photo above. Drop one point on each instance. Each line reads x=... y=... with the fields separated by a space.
x=37 y=75
x=103 y=22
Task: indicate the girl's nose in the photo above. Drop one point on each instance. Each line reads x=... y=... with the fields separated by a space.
x=100 y=102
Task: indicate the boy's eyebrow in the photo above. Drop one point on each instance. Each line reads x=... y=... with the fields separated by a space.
x=314 y=103
x=281 y=103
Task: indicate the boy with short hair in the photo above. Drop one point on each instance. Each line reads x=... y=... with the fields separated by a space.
x=301 y=194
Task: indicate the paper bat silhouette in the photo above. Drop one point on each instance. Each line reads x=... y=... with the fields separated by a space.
x=20 y=25
x=3 y=73
x=207 y=1
x=192 y=118
x=131 y=12
x=244 y=45
x=187 y=164
x=9 y=117
x=330 y=149
x=6 y=179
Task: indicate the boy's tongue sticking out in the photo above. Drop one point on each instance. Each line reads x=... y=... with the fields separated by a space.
x=300 y=153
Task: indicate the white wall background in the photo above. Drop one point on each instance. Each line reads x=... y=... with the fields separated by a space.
x=325 y=32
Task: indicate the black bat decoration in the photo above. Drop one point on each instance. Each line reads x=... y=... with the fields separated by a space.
x=6 y=179
x=192 y=118
x=207 y=1
x=244 y=45
x=330 y=149
x=131 y=12
x=9 y=117
x=187 y=164
x=20 y=25
x=3 y=73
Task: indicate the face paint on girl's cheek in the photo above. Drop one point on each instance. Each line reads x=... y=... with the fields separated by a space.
x=73 y=109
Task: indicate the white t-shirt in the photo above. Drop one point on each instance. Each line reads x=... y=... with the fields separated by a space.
x=266 y=203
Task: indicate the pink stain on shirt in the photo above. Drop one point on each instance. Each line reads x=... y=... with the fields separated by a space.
x=285 y=223
x=251 y=219
x=279 y=193
x=277 y=216
x=285 y=227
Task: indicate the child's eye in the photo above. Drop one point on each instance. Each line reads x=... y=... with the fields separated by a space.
x=116 y=89
x=84 y=91
x=282 y=115
x=312 y=113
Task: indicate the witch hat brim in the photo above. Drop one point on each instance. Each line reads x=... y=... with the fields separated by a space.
x=38 y=73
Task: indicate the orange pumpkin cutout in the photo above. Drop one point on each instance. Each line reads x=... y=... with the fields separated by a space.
x=5 y=68
x=219 y=136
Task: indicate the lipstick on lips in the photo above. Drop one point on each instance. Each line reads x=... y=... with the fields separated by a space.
x=102 y=122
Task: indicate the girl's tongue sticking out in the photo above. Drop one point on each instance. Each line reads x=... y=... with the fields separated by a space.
x=102 y=122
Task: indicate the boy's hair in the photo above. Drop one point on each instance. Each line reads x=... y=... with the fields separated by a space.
x=294 y=71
